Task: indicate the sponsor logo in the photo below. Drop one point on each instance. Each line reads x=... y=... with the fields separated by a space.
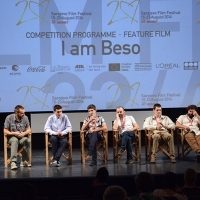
x=96 y=67
x=126 y=66
x=15 y=67
x=193 y=65
x=59 y=68
x=114 y=66
x=167 y=65
x=15 y=72
x=36 y=69
x=79 y=68
x=3 y=68
x=143 y=66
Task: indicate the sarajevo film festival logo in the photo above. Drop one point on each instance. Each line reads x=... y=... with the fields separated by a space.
x=34 y=8
x=191 y=65
x=123 y=10
x=114 y=66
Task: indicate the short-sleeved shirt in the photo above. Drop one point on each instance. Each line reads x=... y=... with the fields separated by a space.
x=193 y=123
x=13 y=125
x=98 y=122
x=151 y=123
x=129 y=121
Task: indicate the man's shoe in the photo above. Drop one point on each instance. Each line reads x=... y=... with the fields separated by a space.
x=129 y=161
x=93 y=163
x=25 y=164
x=58 y=164
x=173 y=159
x=120 y=152
x=13 y=165
x=153 y=159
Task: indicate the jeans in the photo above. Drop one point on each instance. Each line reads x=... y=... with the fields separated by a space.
x=126 y=138
x=58 y=145
x=93 y=139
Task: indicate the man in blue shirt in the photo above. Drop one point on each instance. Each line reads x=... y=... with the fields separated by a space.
x=58 y=126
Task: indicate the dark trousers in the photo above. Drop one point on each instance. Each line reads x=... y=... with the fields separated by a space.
x=93 y=139
x=58 y=145
x=126 y=138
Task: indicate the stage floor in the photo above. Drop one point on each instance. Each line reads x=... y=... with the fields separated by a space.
x=77 y=169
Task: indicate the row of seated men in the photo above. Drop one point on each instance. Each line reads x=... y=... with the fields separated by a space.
x=58 y=125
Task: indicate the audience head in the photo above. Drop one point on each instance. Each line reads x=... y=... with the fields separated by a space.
x=157 y=109
x=169 y=180
x=144 y=182
x=190 y=176
x=28 y=192
x=115 y=193
x=102 y=175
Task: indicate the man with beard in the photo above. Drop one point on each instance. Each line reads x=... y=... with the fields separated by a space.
x=159 y=125
x=16 y=127
x=190 y=123
x=126 y=125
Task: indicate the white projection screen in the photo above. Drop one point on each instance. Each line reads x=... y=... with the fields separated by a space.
x=133 y=53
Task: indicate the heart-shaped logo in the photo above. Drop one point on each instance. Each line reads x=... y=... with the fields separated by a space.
x=31 y=7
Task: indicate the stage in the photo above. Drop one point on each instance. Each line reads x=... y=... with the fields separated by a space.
x=76 y=179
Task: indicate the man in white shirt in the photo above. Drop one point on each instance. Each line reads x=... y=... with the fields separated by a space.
x=126 y=125
x=58 y=126
x=159 y=124
x=190 y=123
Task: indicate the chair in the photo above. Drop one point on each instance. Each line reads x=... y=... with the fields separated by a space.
x=48 y=145
x=183 y=148
x=103 y=143
x=7 y=146
x=136 y=145
x=163 y=147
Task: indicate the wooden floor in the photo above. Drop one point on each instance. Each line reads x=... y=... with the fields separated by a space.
x=76 y=178
x=77 y=169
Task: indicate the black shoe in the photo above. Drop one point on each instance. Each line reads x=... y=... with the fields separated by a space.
x=120 y=152
x=129 y=161
x=93 y=163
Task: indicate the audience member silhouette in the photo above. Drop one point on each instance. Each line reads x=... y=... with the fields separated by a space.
x=170 y=188
x=115 y=192
x=28 y=192
x=144 y=182
x=100 y=183
x=190 y=189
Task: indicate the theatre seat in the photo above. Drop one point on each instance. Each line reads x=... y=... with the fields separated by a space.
x=7 y=146
x=69 y=144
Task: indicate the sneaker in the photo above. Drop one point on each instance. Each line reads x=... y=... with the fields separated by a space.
x=25 y=164
x=121 y=151
x=93 y=163
x=173 y=159
x=129 y=161
x=13 y=165
x=55 y=163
